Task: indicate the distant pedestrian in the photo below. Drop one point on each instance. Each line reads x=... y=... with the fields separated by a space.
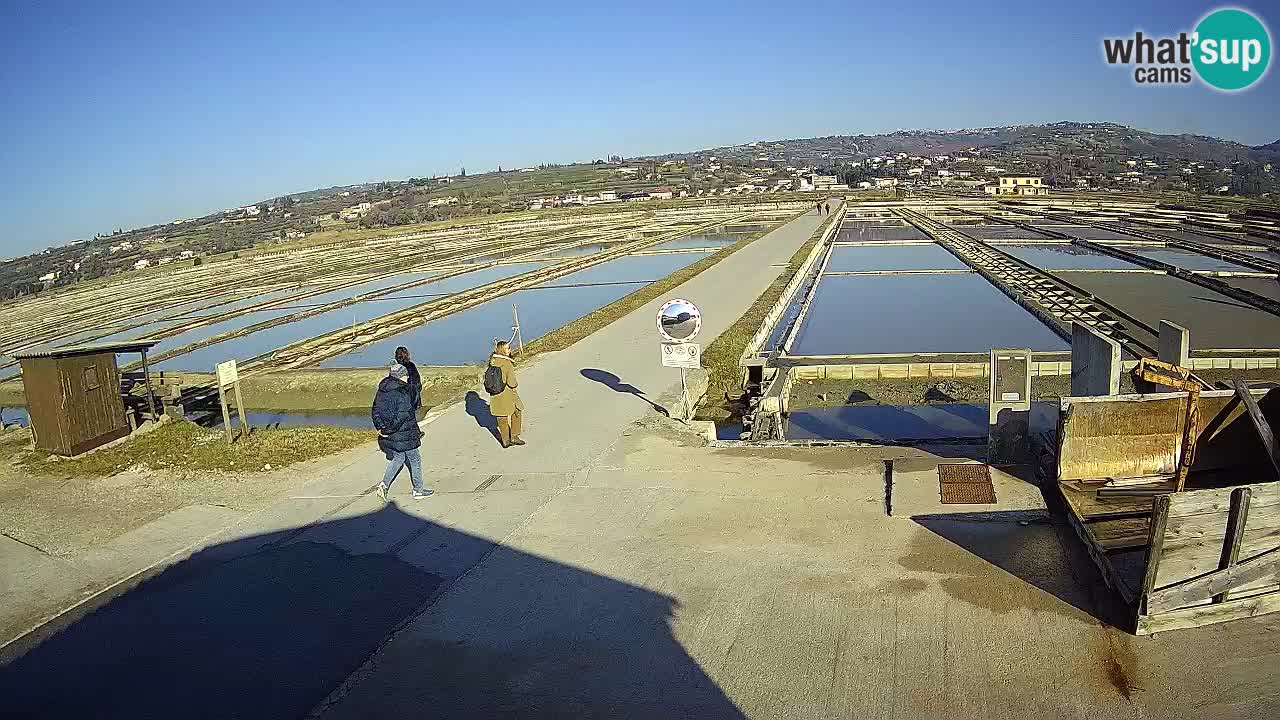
x=504 y=402
x=415 y=380
x=825 y=208
x=398 y=433
x=819 y=208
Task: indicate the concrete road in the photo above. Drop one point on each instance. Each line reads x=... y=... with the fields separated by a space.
x=577 y=402
x=617 y=567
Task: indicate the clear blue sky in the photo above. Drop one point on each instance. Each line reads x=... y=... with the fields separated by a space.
x=126 y=114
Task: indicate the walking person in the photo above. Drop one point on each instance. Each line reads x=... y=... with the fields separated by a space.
x=826 y=209
x=415 y=380
x=504 y=402
x=398 y=433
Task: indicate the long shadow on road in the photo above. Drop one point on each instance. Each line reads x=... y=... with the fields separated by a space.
x=478 y=408
x=269 y=626
x=614 y=383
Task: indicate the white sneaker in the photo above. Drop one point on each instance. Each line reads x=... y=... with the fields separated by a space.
x=382 y=492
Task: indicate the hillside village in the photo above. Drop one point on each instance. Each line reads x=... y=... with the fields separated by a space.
x=1060 y=157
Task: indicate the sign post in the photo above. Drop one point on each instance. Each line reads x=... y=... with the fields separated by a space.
x=679 y=321
x=229 y=377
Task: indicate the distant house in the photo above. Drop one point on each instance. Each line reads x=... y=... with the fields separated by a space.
x=186 y=254
x=915 y=171
x=1017 y=185
x=141 y=264
x=662 y=193
x=824 y=182
x=886 y=182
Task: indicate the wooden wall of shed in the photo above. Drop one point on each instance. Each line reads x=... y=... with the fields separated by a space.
x=1127 y=435
x=99 y=414
x=70 y=414
x=42 y=385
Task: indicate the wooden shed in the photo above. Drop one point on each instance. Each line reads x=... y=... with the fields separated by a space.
x=74 y=397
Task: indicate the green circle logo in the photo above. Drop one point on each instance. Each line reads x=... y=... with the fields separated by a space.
x=1232 y=49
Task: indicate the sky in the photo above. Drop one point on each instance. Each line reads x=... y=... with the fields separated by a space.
x=124 y=114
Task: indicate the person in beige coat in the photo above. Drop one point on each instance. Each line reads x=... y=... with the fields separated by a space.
x=506 y=405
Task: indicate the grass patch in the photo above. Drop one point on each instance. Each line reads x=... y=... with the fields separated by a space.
x=186 y=447
x=721 y=357
x=597 y=319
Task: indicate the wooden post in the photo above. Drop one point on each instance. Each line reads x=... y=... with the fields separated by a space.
x=1155 y=543
x=245 y=430
x=1259 y=423
x=516 y=337
x=226 y=416
x=226 y=375
x=1237 y=516
x=146 y=377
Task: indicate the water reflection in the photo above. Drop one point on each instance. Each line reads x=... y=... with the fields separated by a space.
x=892 y=257
x=916 y=313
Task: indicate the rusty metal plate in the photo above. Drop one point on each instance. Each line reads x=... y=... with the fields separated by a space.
x=965 y=484
x=964 y=473
x=968 y=494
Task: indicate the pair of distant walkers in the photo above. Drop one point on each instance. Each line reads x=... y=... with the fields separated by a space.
x=824 y=208
x=395 y=414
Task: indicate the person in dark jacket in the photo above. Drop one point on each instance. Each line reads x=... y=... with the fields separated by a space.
x=415 y=380
x=398 y=433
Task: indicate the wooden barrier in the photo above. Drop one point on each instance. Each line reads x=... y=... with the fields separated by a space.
x=1214 y=556
x=1178 y=559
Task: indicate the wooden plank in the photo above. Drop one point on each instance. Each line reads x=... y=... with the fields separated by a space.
x=1209 y=614
x=1197 y=528
x=1218 y=500
x=1236 y=519
x=1084 y=501
x=1155 y=543
x=1110 y=576
x=1259 y=423
x=1200 y=589
x=1122 y=533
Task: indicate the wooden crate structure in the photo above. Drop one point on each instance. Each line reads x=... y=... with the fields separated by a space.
x=1179 y=559
x=73 y=394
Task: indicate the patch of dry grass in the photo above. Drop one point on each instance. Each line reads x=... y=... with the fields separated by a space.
x=184 y=447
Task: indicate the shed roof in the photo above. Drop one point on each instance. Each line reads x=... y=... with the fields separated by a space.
x=89 y=349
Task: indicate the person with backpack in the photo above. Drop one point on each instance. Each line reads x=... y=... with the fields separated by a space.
x=398 y=434
x=415 y=379
x=504 y=402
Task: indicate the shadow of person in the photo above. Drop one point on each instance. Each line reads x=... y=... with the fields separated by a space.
x=478 y=408
x=614 y=383
x=269 y=626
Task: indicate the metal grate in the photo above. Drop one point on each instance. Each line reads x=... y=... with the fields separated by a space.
x=965 y=484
